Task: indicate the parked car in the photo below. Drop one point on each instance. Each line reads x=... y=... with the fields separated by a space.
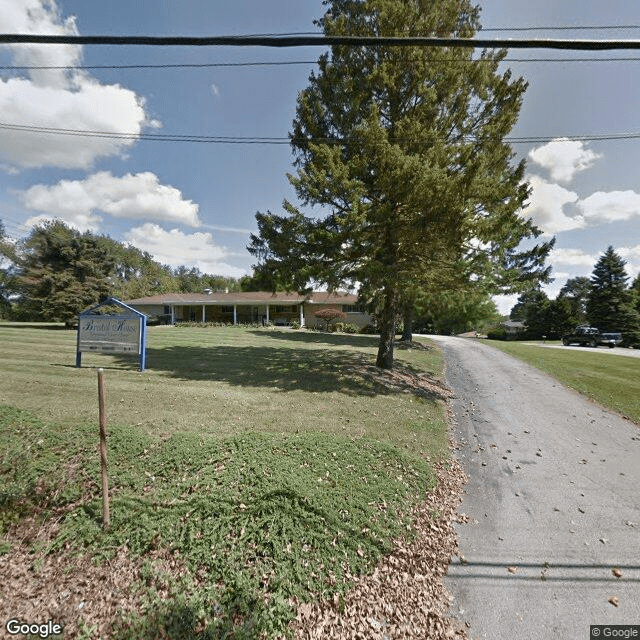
x=584 y=336
x=610 y=339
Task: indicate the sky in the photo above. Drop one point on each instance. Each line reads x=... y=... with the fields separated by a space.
x=194 y=203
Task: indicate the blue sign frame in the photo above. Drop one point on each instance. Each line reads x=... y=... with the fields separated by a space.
x=103 y=339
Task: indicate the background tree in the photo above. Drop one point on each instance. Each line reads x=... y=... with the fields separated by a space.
x=635 y=291
x=610 y=305
x=529 y=304
x=576 y=292
x=450 y=314
x=61 y=272
x=406 y=150
x=7 y=265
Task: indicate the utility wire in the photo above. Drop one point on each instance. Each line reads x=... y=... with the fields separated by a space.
x=309 y=41
x=158 y=137
x=593 y=27
x=207 y=65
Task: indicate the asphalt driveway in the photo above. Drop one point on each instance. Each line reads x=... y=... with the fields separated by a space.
x=553 y=500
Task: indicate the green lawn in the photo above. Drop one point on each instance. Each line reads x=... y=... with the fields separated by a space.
x=276 y=463
x=610 y=380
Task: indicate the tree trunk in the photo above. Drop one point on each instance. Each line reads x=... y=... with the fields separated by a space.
x=407 y=318
x=387 y=332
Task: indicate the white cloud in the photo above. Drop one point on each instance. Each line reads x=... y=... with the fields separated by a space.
x=504 y=304
x=215 y=89
x=572 y=257
x=547 y=206
x=611 y=206
x=563 y=158
x=135 y=196
x=177 y=248
x=59 y=99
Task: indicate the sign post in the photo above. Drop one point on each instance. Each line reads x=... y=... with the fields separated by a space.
x=103 y=450
x=124 y=332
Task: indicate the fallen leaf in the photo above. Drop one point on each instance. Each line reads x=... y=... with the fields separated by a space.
x=512 y=569
x=614 y=601
x=616 y=572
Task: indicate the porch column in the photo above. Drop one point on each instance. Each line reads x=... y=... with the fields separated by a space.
x=173 y=315
x=204 y=314
x=302 y=314
x=235 y=314
x=267 y=312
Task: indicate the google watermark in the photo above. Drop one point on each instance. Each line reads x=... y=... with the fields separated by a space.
x=625 y=631
x=46 y=629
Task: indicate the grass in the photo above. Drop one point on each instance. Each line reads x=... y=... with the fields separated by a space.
x=275 y=464
x=610 y=380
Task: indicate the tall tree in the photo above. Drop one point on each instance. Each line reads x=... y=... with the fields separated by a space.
x=609 y=297
x=576 y=292
x=7 y=263
x=61 y=272
x=529 y=304
x=405 y=149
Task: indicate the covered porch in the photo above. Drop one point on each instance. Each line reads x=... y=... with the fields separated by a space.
x=237 y=313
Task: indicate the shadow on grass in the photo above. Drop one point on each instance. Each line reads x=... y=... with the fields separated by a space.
x=35 y=325
x=287 y=369
x=320 y=337
x=284 y=369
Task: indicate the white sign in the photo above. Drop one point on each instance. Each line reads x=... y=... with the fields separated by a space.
x=109 y=334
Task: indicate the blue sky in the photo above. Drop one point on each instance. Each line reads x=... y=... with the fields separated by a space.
x=194 y=203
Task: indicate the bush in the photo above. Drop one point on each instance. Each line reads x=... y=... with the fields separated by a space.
x=370 y=330
x=329 y=315
x=497 y=334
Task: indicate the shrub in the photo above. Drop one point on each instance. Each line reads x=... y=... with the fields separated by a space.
x=330 y=315
x=497 y=334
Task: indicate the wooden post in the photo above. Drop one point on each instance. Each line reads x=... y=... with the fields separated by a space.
x=103 y=450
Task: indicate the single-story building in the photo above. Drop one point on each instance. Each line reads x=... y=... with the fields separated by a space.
x=513 y=328
x=249 y=307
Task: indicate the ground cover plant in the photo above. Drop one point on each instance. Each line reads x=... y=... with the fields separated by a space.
x=251 y=470
x=610 y=380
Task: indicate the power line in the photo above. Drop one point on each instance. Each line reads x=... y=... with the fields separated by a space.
x=593 y=27
x=207 y=65
x=321 y=40
x=159 y=137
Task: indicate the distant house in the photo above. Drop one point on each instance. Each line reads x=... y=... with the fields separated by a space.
x=513 y=327
x=249 y=307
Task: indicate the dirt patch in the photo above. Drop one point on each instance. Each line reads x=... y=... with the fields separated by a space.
x=405 y=596
x=402 y=379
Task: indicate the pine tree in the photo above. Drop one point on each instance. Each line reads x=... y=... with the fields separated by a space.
x=576 y=291
x=608 y=296
x=61 y=272
x=405 y=148
x=610 y=302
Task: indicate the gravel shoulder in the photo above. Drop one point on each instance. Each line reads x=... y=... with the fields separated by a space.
x=552 y=499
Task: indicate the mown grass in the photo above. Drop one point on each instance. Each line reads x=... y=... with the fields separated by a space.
x=610 y=380
x=270 y=462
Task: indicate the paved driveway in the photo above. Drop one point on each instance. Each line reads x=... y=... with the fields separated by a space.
x=553 y=499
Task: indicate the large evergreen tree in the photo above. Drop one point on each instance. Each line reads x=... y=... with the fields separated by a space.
x=404 y=148
x=609 y=297
x=61 y=272
x=576 y=292
x=610 y=305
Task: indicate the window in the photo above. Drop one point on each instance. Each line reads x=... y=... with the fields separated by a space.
x=285 y=308
x=227 y=308
x=353 y=308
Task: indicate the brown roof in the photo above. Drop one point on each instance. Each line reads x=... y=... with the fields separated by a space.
x=244 y=297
